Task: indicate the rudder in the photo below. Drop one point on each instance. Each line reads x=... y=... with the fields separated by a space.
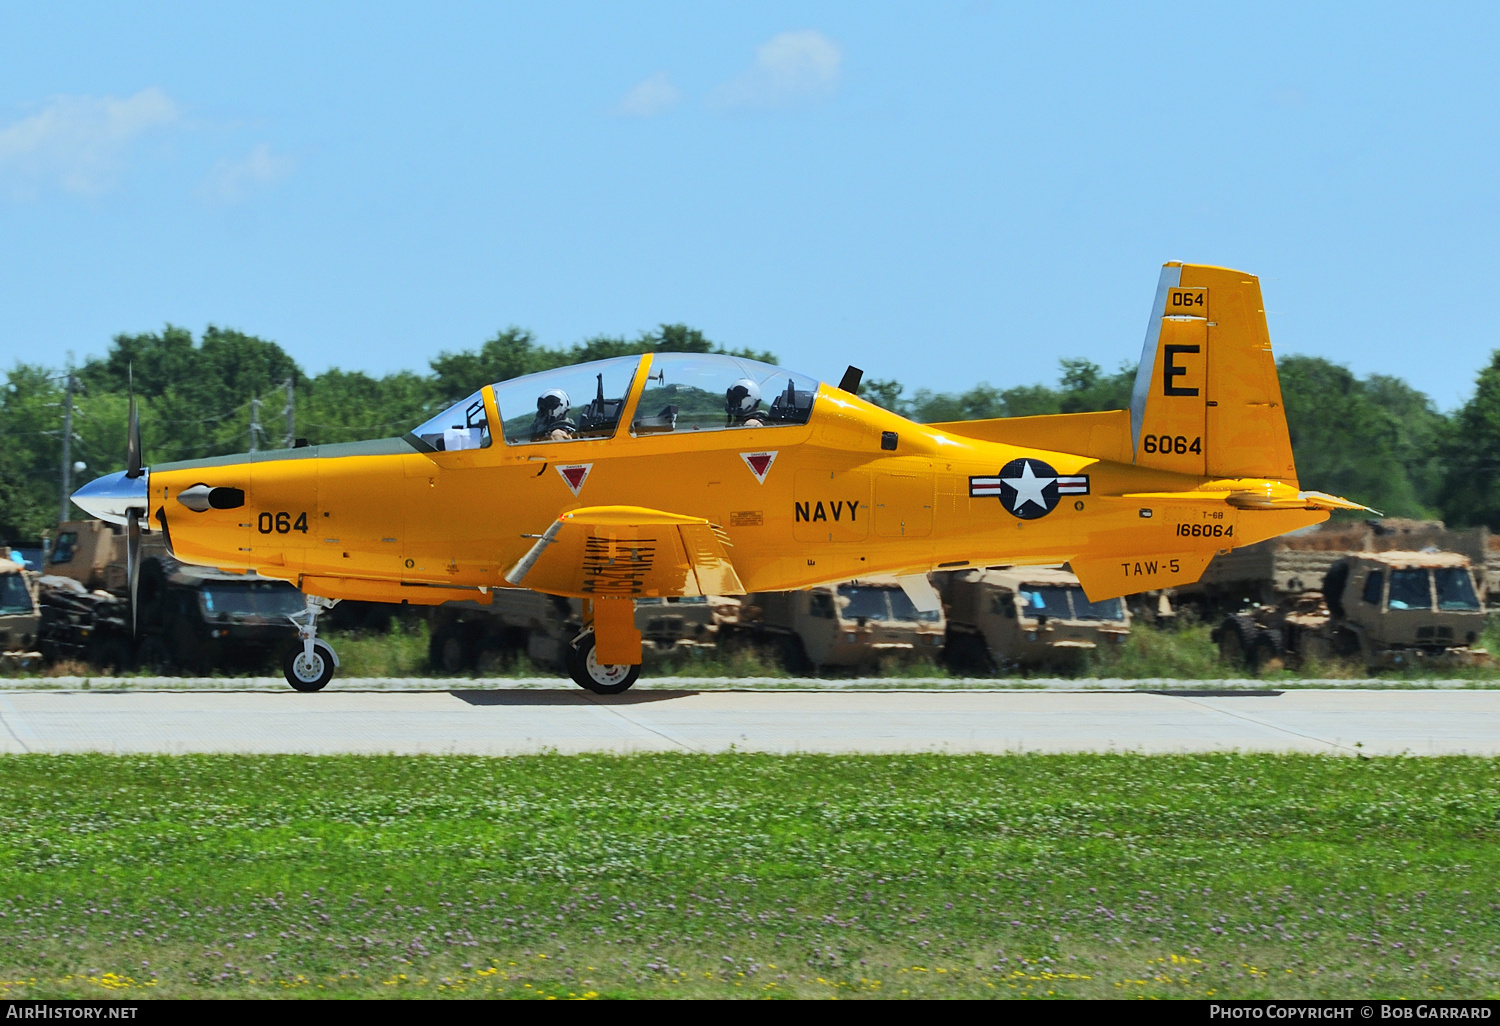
x=1207 y=400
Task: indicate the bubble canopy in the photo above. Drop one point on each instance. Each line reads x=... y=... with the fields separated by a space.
x=684 y=392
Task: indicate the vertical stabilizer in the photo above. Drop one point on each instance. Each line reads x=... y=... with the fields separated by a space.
x=1207 y=400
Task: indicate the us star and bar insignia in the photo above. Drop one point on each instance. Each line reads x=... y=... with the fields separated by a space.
x=1029 y=488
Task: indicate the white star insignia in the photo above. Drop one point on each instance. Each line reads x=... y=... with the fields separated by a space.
x=1028 y=488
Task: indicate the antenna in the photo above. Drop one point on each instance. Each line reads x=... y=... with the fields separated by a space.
x=291 y=417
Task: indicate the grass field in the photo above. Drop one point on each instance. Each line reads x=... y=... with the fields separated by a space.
x=747 y=875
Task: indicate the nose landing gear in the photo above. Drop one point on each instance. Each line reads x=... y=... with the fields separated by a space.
x=310 y=666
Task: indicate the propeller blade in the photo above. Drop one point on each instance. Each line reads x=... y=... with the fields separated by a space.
x=133 y=441
x=133 y=559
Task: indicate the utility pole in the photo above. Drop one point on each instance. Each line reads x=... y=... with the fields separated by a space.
x=254 y=421
x=67 y=449
x=291 y=417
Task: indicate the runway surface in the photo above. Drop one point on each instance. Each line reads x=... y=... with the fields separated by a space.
x=520 y=721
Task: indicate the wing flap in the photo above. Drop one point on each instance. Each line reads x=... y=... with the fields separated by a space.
x=628 y=552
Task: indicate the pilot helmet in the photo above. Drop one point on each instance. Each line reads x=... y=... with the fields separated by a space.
x=553 y=404
x=742 y=398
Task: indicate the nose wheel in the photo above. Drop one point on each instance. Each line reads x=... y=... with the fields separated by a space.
x=309 y=673
x=310 y=666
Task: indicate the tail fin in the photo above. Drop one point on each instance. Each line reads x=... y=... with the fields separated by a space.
x=1207 y=400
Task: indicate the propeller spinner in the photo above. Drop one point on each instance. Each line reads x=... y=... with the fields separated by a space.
x=121 y=498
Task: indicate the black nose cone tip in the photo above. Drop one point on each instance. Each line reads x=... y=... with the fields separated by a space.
x=109 y=497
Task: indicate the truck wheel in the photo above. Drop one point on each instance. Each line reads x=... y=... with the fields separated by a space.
x=309 y=675
x=154 y=655
x=449 y=651
x=1235 y=636
x=1267 y=654
x=592 y=675
x=794 y=657
x=1345 y=643
x=968 y=654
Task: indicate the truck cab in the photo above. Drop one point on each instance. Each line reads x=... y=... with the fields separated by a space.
x=1406 y=606
x=20 y=617
x=858 y=625
x=1026 y=617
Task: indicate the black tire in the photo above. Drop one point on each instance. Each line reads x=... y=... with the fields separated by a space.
x=968 y=654
x=1235 y=637
x=1346 y=643
x=304 y=676
x=449 y=650
x=591 y=675
x=1266 y=653
x=794 y=657
x=154 y=655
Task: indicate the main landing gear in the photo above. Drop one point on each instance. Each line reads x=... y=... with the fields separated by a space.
x=610 y=629
x=310 y=666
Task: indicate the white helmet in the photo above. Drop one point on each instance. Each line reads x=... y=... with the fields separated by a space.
x=742 y=397
x=553 y=403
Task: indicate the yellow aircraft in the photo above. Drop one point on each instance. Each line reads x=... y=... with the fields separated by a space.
x=690 y=474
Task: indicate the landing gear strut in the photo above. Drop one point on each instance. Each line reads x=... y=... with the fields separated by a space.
x=310 y=666
x=610 y=627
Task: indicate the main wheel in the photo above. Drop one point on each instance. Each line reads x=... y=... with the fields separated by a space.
x=309 y=674
x=589 y=673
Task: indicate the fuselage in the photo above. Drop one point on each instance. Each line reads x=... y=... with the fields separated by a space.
x=853 y=491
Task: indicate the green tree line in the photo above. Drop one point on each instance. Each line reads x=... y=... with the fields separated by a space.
x=1375 y=439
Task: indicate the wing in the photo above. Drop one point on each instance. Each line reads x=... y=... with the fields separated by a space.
x=628 y=551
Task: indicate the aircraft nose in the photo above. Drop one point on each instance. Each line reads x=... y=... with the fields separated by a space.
x=108 y=497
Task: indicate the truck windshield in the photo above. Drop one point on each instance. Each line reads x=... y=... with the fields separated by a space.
x=903 y=608
x=1454 y=589
x=14 y=598
x=1045 y=600
x=1067 y=602
x=1410 y=589
x=271 y=599
x=1108 y=609
x=862 y=600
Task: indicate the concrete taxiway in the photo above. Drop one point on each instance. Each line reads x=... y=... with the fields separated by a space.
x=521 y=721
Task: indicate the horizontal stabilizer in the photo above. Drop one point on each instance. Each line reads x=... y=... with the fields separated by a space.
x=628 y=552
x=1125 y=575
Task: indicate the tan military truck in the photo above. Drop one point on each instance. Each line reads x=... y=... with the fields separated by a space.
x=860 y=626
x=1282 y=568
x=20 y=616
x=188 y=617
x=1387 y=609
x=1023 y=618
x=469 y=637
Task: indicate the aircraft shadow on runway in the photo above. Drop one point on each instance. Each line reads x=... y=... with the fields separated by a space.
x=569 y=696
x=1213 y=693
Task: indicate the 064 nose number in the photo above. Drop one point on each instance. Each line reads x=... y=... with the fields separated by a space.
x=281 y=523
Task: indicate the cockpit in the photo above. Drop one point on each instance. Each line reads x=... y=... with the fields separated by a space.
x=683 y=392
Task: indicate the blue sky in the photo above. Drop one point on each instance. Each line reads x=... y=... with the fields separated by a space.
x=942 y=193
